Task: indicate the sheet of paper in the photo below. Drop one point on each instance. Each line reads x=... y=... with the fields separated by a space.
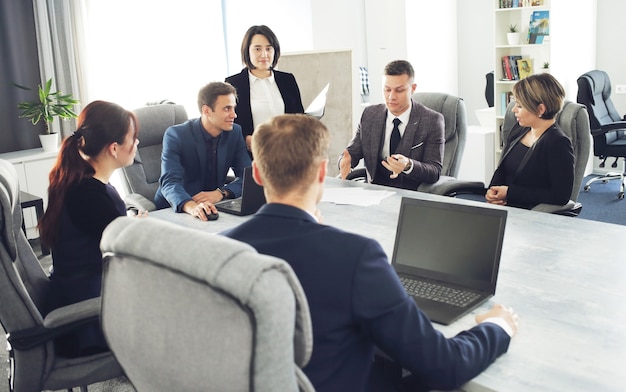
x=355 y=196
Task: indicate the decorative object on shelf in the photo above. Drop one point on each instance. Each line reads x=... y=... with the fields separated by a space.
x=525 y=66
x=512 y=36
x=49 y=106
x=539 y=29
x=545 y=68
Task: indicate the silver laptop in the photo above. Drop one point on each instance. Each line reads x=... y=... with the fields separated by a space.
x=252 y=197
x=447 y=255
x=318 y=106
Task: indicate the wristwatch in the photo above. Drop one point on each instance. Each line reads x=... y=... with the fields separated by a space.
x=225 y=193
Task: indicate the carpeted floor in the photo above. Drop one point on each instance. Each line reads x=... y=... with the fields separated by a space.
x=600 y=202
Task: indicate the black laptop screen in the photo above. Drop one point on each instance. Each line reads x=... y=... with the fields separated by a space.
x=451 y=242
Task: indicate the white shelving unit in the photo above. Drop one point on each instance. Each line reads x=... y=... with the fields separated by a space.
x=569 y=48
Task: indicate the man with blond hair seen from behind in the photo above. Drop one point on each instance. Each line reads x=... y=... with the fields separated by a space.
x=356 y=300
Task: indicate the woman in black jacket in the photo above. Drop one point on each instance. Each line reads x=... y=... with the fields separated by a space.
x=262 y=92
x=537 y=164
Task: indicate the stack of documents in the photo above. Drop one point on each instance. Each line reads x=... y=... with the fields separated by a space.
x=355 y=196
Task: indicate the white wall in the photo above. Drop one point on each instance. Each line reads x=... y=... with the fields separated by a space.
x=610 y=55
x=432 y=44
x=290 y=20
x=475 y=53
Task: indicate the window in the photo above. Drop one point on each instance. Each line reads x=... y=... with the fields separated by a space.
x=145 y=51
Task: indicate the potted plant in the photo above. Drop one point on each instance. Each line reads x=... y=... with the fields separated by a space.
x=46 y=108
x=513 y=35
x=546 y=67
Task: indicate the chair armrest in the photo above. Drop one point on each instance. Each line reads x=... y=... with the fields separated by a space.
x=58 y=322
x=450 y=186
x=613 y=126
x=137 y=202
x=571 y=208
x=609 y=127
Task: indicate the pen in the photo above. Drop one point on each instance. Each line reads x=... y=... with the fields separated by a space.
x=417 y=145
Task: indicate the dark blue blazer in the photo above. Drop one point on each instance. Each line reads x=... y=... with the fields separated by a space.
x=287 y=85
x=357 y=303
x=184 y=163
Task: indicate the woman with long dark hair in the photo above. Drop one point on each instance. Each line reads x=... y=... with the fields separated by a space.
x=81 y=203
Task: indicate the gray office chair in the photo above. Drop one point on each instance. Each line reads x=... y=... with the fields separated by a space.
x=609 y=128
x=24 y=287
x=453 y=110
x=216 y=317
x=141 y=179
x=574 y=122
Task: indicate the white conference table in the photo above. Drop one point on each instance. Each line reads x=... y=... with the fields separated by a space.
x=565 y=277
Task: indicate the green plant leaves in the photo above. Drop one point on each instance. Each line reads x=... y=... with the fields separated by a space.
x=50 y=105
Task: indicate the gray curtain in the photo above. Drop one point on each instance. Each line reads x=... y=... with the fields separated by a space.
x=61 y=41
x=19 y=63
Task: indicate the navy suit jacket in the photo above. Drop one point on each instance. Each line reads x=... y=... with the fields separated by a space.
x=422 y=142
x=287 y=86
x=546 y=176
x=357 y=302
x=184 y=163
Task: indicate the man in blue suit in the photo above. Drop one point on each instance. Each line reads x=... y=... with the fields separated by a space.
x=197 y=155
x=356 y=300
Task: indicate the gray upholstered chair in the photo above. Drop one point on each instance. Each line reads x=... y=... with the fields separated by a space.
x=453 y=110
x=141 y=179
x=216 y=317
x=24 y=287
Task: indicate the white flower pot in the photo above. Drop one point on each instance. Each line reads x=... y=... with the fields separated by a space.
x=49 y=142
x=512 y=38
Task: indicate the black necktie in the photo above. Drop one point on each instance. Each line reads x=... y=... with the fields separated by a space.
x=395 y=137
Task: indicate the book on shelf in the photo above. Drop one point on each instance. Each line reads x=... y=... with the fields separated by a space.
x=505 y=99
x=514 y=70
x=525 y=67
x=507 y=73
x=539 y=28
x=519 y=3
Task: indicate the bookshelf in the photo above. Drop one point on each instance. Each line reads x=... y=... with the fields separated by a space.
x=569 y=47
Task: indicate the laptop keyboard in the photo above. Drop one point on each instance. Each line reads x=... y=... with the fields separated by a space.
x=434 y=292
x=232 y=204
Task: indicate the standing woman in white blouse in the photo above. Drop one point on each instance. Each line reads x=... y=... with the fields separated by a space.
x=262 y=91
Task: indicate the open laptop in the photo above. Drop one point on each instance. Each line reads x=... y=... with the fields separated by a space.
x=318 y=106
x=252 y=197
x=454 y=246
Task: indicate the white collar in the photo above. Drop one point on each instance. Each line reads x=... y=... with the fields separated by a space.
x=253 y=78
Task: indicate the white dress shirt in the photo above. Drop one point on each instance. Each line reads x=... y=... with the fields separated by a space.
x=404 y=118
x=265 y=99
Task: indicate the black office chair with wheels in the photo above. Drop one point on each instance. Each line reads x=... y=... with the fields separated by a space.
x=607 y=127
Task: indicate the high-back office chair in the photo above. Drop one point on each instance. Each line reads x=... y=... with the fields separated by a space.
x=574 y=122
x=24 y=288
x=608 y=128
x=217 y=317
x=453 y=110
x=141 y=179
